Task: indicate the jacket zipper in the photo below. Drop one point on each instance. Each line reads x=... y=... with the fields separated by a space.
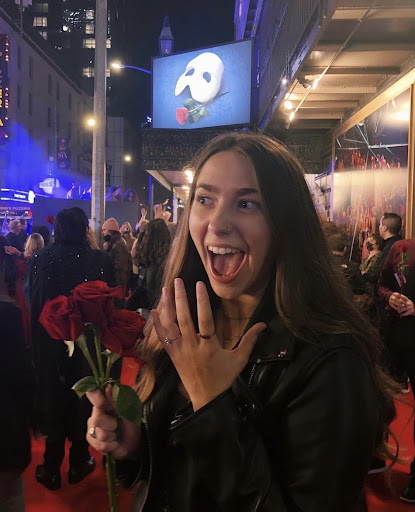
x=150 y=455
x=251 y=376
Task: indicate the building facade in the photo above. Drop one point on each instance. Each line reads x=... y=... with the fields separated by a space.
x=43 y=130
x=69 y=28
x=334 y=80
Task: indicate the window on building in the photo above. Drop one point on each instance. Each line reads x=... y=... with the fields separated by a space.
x=108 y=73
x=18 y=96
x=30 y=103
x=50 y=84
x=88 y=72
x=108 y=43
x=88 y=43
x=19 y=57
x=40 y=21
x=41 y=7
x=49 y=117
x=89 y=28
x=44 y=34
x=58 y=91
x=89 y=14
x=30 y=66
x=70 y=101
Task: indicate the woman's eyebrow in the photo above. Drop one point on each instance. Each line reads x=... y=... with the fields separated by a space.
x=239 y=191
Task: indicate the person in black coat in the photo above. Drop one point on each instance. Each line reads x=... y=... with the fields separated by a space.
x=60 y=414
x=261 y=390
x=17 y=402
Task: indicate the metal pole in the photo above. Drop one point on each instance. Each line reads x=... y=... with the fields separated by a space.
x=410 y=209
x=98 y=139
x=174 y=207
x=21 y=18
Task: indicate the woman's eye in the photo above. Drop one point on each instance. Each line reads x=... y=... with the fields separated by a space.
x=203 y=200
x=247 y=204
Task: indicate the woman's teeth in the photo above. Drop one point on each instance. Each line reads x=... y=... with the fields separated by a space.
x=222 y=250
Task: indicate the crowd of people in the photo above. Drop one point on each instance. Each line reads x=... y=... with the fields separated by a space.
x=263 y=388
x=34 y=269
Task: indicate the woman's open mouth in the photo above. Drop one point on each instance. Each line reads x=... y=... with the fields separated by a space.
x=225 y=262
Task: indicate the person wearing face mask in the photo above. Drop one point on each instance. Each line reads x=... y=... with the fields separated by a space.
x=369 y=268
x=261 y=390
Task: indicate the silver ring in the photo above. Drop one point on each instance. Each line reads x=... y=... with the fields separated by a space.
x=91 y=432
x=169 y=341
x=207 y=336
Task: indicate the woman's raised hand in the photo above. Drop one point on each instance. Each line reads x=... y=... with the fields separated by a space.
x=206 y=369
x=102 y=428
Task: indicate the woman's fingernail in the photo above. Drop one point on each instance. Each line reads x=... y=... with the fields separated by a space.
x=178 y=283
x=200 y=285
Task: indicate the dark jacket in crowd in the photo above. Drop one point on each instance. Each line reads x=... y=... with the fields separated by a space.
x=268 y=443
x=22 y=236
x=352 y=274
x=54 y=271
x=15 y=241
x=120 y=257
x=387 y=244
x=17 y=397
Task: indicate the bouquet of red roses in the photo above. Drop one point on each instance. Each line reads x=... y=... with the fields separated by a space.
x=90 y=307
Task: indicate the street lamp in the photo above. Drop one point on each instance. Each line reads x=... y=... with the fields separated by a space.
x=118 y=65
x=166 y=38
x=127 y=158
x=90 y=122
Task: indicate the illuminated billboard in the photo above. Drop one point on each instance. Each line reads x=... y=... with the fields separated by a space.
x=202 y=88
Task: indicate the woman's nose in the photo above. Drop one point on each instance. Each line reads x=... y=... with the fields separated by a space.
x=221 y=220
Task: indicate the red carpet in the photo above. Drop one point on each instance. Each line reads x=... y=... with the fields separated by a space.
x=379 y=497
x=90 y=495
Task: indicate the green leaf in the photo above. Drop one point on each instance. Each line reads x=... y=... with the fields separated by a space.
x=189 y=103
x=196 y=117
x=127 y=403
x=84 y=385
x=203 y=112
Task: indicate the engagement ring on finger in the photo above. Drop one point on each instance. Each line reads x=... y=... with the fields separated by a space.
x=207 y=336
x=91 y=432
x=169 y=341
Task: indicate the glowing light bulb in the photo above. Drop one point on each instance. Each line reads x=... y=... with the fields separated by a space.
x=288 y=105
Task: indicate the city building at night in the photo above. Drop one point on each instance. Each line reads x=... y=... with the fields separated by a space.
x=69 y=28
x=44 y=144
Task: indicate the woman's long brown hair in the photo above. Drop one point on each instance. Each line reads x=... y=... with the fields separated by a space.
x=311 y=294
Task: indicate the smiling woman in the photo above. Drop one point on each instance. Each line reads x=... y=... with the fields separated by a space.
x=261 y=390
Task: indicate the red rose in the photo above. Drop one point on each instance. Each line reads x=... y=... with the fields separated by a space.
x=95 y=300
x=62 y=319
x=122 y=331
x=181 y=115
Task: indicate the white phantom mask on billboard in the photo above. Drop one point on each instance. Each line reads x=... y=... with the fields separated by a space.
x=203 y=75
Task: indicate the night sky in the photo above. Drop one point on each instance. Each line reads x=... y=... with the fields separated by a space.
x=194 y=24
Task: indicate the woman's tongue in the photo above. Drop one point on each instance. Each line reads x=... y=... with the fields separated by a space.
x=227 y=264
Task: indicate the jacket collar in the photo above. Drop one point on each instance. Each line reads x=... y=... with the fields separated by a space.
x=276 y=342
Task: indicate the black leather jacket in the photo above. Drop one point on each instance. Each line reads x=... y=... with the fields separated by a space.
x=296 y=432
